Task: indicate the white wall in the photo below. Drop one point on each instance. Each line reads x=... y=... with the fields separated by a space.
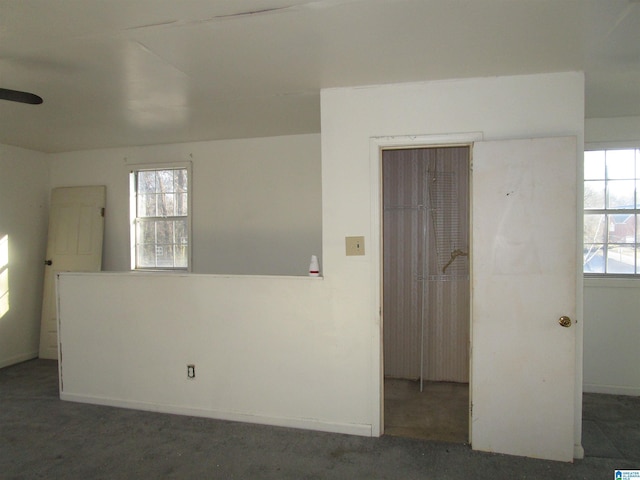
x=500 y=108
x=612 y=336
x=317 y=335
x=265 y=349
x=611 y=306
x=607 y=130
x=24 y=199
x=256 y=202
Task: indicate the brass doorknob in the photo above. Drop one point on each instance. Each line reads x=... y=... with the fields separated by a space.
x=564 y=321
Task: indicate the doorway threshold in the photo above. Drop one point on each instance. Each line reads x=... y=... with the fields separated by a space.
x=440 y=412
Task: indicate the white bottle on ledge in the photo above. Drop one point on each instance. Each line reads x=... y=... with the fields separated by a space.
x=314 y=267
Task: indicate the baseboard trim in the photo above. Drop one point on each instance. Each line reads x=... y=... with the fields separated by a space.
x=288 y=422
x=23 y=357
x=578 y=452
x=611 y=389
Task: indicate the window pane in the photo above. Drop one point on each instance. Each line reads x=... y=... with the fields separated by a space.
x=147 y=205
x=594 y=165
x=593 y=194
x=620 y=194
x=164 y=232
x=161 y=208
x=146 y=256
x=622 y=228
x=180 y=180
x=146 y=232
x=180 y=227
x=164 y=256
x=182 y=204
x=637 y=154
x=595 y=227
x=146 y=182
x=181 y=256
x=610 y=236
x=165 y=181
x=162 y=243
x=166 y=204
x=621 y=259
x=593 y=258
x=620 y=164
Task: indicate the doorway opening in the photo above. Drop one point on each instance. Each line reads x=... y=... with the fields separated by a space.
x=426 y=291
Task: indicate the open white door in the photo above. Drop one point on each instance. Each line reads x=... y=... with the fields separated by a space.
x=76 y=226
x=523 y=280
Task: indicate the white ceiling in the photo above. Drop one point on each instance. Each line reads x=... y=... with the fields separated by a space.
x=140 y=72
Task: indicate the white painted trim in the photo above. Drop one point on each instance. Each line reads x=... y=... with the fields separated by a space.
x=611 y=389
x=23 y=357
x=590 y=146
x=471 y=277
x=376 y=146
x=430 y=141
x=181 y=273
x=58 y=319
x=578 y=450
x=288 y=422
x=611 y=282
x=377 y=358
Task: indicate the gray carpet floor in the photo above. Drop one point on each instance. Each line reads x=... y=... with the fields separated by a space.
x=42 y=437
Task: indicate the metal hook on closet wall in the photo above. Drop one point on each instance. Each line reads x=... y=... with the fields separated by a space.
x=455 y=254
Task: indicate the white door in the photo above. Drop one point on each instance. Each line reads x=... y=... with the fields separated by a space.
x=523 y=280
x=76 y=226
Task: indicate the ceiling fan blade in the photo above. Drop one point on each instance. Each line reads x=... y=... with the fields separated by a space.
x=21 y=97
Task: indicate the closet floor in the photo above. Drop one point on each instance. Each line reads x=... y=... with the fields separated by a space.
x=440 y=412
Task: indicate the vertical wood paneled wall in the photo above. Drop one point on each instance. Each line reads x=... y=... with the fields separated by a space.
x=426 y=263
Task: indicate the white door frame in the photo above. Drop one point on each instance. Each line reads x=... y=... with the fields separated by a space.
x=376 y=146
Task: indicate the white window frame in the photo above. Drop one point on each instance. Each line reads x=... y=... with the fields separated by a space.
x=600 y=146
x=133 y=170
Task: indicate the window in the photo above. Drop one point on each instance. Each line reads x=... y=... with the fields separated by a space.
x=160 y=214
x=612 y=212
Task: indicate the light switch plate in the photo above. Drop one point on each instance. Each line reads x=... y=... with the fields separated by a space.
x=354 y=246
